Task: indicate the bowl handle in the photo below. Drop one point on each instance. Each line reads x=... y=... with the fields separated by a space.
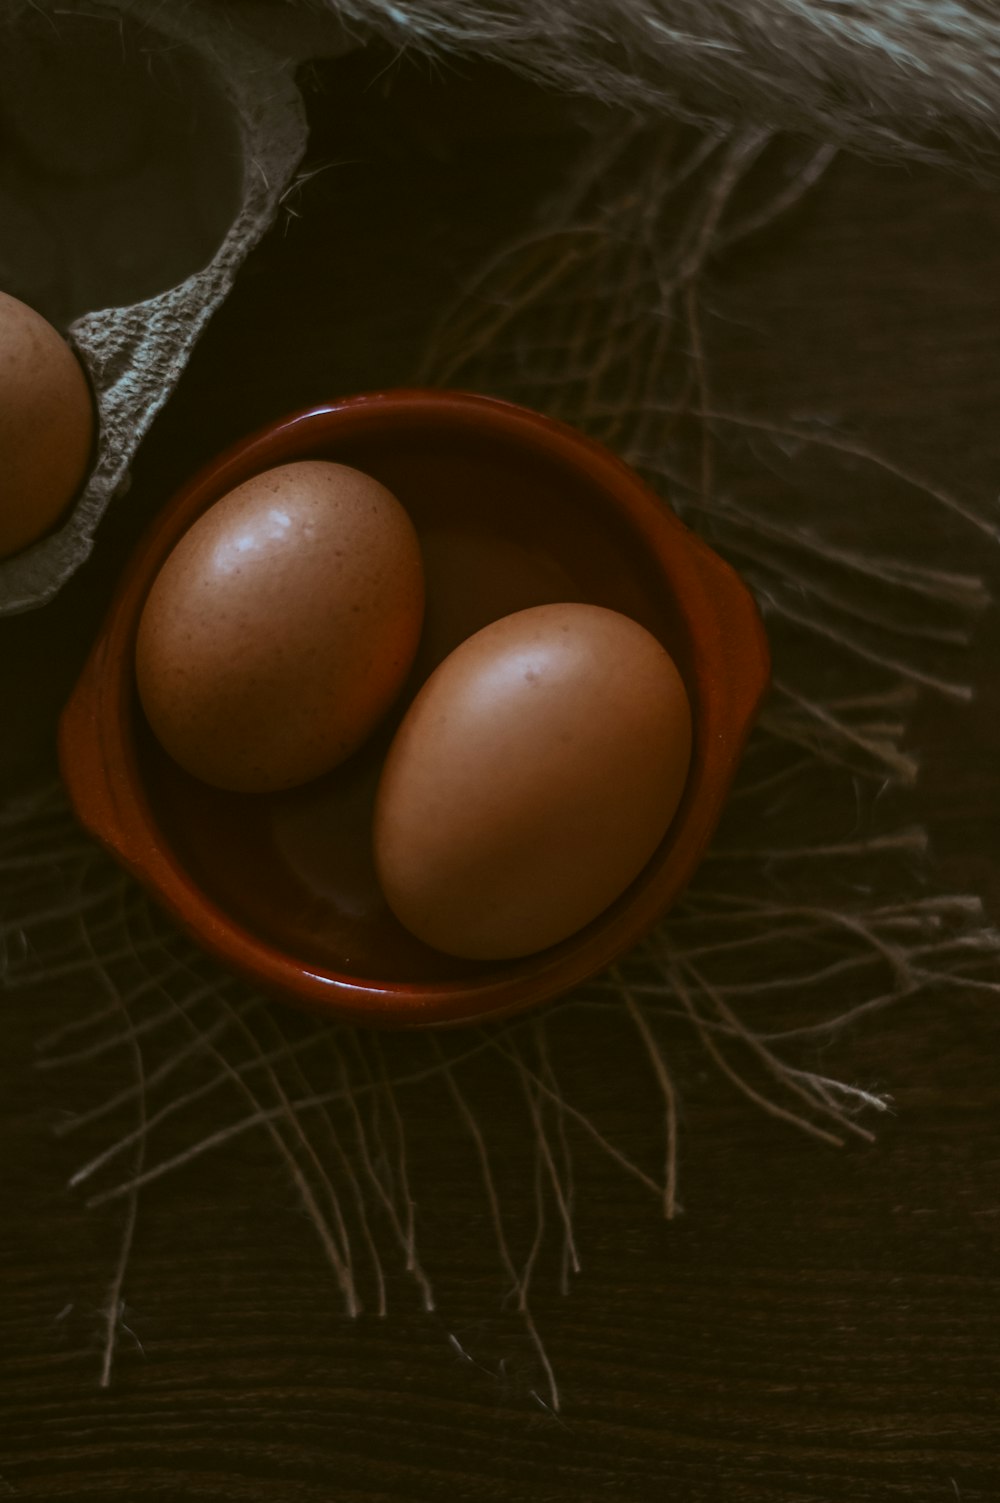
x=88 y=761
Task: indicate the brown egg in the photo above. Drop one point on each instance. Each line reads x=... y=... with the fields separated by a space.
x=46 y=425
x=531 y=780
x=281 y=627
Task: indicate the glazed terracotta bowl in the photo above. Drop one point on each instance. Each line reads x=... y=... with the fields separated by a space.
x=512 y=510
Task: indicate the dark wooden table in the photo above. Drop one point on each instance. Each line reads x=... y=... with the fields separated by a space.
x=818 y=1325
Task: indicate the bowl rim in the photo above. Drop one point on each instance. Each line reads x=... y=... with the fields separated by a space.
x=101 y=770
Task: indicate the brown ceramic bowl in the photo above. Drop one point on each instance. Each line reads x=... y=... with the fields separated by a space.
x=512 y=510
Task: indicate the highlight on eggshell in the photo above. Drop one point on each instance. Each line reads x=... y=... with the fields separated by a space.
x=531 y=780
x=281 y=628
x=46 y=425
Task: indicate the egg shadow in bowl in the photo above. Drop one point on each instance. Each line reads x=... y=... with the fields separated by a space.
x=512 y=510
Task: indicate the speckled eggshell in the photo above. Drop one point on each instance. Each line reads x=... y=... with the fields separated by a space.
x=46 y=425
x=281 y=627
x=531 y=780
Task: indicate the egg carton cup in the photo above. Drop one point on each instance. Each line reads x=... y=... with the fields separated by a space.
x=144 y=150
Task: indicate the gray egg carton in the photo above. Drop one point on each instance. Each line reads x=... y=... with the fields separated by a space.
x=144 y=149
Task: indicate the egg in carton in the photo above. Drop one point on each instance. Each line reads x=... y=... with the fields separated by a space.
x=144 y=149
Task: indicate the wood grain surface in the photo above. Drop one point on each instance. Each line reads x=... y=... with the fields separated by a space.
x=818 y=1325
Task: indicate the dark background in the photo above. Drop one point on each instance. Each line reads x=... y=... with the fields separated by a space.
x=818 y=1325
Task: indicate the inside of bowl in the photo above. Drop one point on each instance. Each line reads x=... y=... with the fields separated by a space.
x=503 y=526
x=120 y=162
